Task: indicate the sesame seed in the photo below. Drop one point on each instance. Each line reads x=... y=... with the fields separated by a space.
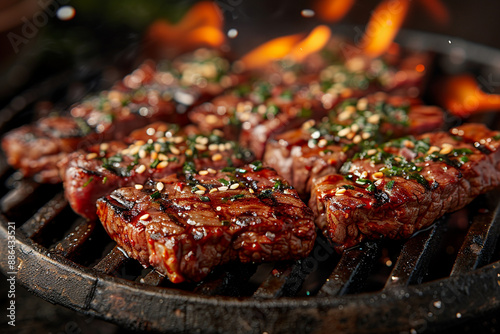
x=364 y=175
x=365 y=135
x=178 y=139
x=223 y=188
x=433 y=149
x=378 y=182
x=162 y=157
x=251 y=191
x=144 y=217
x=211 y=119
x=141 y=169
x=162 y=164
x=357 y=139
x=189 y=152
x=374 y=119
x=104 y=146
x=203 y=140
x=322 y=142
x=344 y=115
x=222 y=147
x=157 y=147
x=134 y=150
x=139 y=143
x=446 y=149
x=344 y=132
x=409 y=144
x=203 y=172
x=213 y=147
x=154 y=155
x=213 y=190
x=398 y=159
x=340 y=192
x=307 y=125
x=371 y=151
x=200 y=147
x=175 y=150
x=228 y=146
x=91 y=156
x=354 y=128
x=378 y=175
x=160 y=186
x=218 y=208
x=362 y=103
x=142 y=154
x=139 y=186
x=234 y=186
x=211 y=170
x=150 y=141
x=351 y=109
x=350 y=135
x=217 y=157
x=199 y=192
x=218 y=132
x=200 y=187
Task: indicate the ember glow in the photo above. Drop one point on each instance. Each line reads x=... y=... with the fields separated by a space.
x=201 y=26
x=462 y=96
x=384 y=24
x=437 y=10
x=293 y=47
x=332 y=10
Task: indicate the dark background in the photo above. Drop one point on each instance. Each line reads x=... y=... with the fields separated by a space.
x=106 y=35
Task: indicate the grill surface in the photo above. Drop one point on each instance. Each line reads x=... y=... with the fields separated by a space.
x=443 y=276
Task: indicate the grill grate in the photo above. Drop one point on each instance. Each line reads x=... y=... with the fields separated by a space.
x=443 y=276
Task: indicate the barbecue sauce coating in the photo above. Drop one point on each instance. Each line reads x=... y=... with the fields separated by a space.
x=403 y=186
x=186 y=225
x=155 y=151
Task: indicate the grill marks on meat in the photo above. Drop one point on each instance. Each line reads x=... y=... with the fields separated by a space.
x=318 y=149
x=404 y=185
x=186 y=225
x=147 y=95
x=155 y=151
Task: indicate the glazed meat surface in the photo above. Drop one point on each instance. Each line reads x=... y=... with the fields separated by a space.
x=155 y=151
x=318 y=149
x=398 y=188
x=186 y=225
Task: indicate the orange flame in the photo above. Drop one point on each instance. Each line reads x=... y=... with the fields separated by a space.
x=201 y=26
x=462 y=96
x=332 y=10
x=384 y=24
x=437 y=10
x=293 y=47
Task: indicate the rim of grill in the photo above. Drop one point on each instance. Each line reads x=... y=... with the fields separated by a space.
x=447 y=274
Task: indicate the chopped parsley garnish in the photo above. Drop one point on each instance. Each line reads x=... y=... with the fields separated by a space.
x=155 y=195
x=155 y=163
x=389 y=185
x=224 y=182
x=236 y=197
x=189 y=168
x=88 y=182
x=256 y=166
x=348 y=186
x=205 y=198
x=104 y=180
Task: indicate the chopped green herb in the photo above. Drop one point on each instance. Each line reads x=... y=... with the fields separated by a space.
x=256 y=165
x=189 y=168
x=305 y=113
x=464 y=159
x=155 y=195
x=88 y=182
x=389 y=185
x=104 y=180
x=363 y=181
x=225 y=223
x=240 y=170
x=228 y=169
x=205 y=198
x=236 y=197
x=155 y=163
x=371 y=188
x=347 y=186
x=224 y=182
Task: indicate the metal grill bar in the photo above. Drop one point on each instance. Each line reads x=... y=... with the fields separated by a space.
x=481 y=238
x=153 y=278
x=411 y=265
x=273 y=285
x=112 y=261
x=44 y=215
x=352 y=269
x=18 y=195
x=75 y=239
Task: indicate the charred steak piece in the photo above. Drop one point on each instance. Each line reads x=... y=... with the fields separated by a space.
x=155 y=151
x=186 y=225
x=398 y=188
x=318 y=149
x=150 y=93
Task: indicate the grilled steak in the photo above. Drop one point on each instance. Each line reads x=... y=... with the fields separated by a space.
x=155 y=151
x=315 y=150
x=398 y=188
x=186 y=225
x=147 y=95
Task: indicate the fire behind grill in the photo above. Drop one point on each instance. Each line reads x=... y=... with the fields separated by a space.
x=443 y=276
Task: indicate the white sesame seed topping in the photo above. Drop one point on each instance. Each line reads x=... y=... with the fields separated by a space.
x=160 y=186
x=104 y=146
x=175 y=150
x=251 y=191
x=139 y=186
x=218 y=208
x=162 y=165
x=217 y=157
x=199 y=192
x=203 y=172
x=141 y=169
x=234 y=186
x=213 y=190
x=144 y=217
x=211 y=170
x=223 y=188
x=91 y=156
